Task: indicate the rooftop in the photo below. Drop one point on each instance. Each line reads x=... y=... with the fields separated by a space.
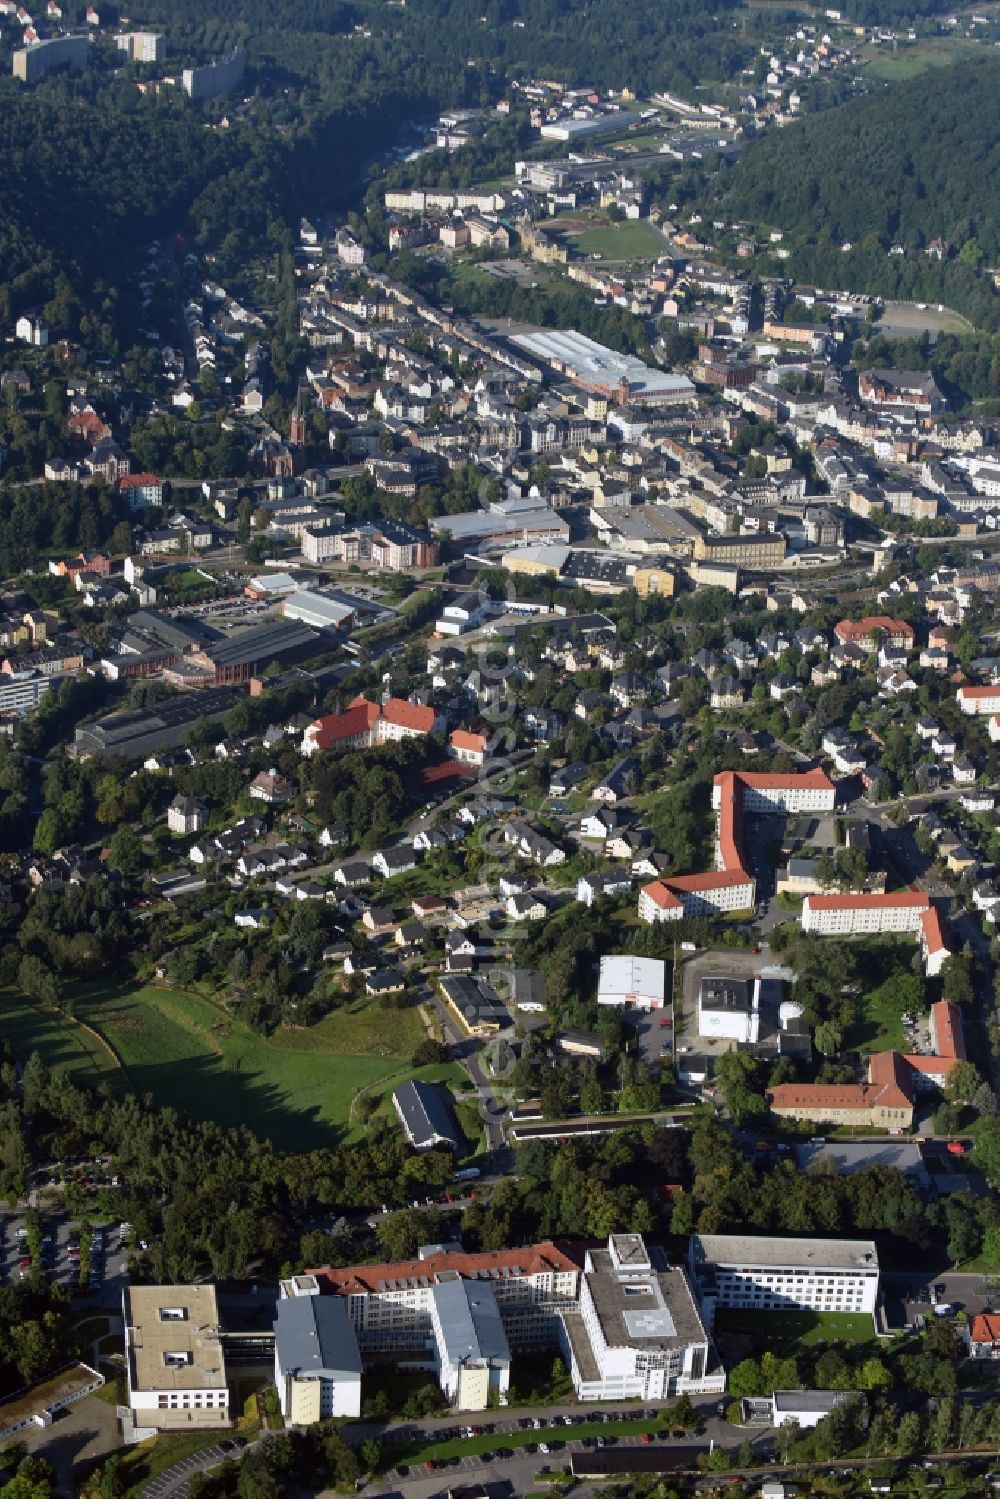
x=173 y=1338
x=314 y=1334
x=768 y=1252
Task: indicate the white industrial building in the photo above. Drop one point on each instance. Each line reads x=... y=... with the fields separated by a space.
x=758 y=1273
x=637 y=1333
x=317 y=1364
x=628 y=982
x=620 y=377
x=729 y=1009
x=806 y=1408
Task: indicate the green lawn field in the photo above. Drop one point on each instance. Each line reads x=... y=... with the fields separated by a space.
x=188 y=1053
x=873 y=1018
x=630 y=240
x=785 y=1331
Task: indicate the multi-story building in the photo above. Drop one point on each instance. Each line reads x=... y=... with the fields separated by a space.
x=637 y=1333
x=21 y=691
x=142 y=46
x=390 y=1305
x=388 y=544
x=849 y=915
x=471 y=1351
x=317 y=1364
x=753 y=550
x=761 y=1273
x=873 y=630
x=978 y=700
x=214 y=78
x=627 y=1323
x=174 y=1358
x=365 y=724
x=39 y=58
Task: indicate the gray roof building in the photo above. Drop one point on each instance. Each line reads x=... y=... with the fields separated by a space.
x=425 y=1115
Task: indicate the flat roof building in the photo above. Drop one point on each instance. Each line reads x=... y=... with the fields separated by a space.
x=729 y=1008
x=630 y=982
x=761 y=1273
x=131 y=736
x=637 y=1332
x=174 y=1358
x=620 y=377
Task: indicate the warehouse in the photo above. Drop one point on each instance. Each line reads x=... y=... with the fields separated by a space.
x=132 y=736
x=631 y=983
x=620 y=377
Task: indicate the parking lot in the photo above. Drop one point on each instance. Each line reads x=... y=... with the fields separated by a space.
x=60 y=1257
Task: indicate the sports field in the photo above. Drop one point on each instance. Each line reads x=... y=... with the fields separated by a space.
x=630 y=240
x=187 y=1052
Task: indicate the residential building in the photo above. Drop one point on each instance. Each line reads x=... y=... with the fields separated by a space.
x=765 y=1273
x=873 y=631
x=317 y=1364
x=186 y=814
x=174 y=1361
x=984 y=1335
x=32 y=62
x=849 y=915
x=215 y=78
x=978 y=700
x=142 y=46
x=468 y=749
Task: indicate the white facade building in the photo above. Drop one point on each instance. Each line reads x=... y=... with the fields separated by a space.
x=729 y=1008
x=637 y=1333
x=792 y=1275
x=849 y=915
x=471 y=1348
x=317 y=1365
x=631 y=983
x=174 y=1359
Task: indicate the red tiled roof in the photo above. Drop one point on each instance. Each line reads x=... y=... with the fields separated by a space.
x=948 y=1029
x=462 y=739
x=985 y=1328
x=138 y=481
x=910 y=899
x=767 y=780
x=716 y=879
x=976 y=692
x=407 y=715
x=932 y=1066
x=334 y=728
x=660 y=895
x=855 y=630
x=934 y=932
x=888 y=1072
x=532 y=1259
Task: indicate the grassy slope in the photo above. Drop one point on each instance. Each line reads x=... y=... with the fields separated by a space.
x=187 y=1053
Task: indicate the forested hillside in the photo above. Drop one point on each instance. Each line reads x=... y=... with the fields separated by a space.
x=90 y=170
x=913 y=162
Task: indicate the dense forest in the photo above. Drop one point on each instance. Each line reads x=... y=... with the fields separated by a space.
x=900 y=167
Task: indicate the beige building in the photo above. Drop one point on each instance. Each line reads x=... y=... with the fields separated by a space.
x=659 y=581
x=174 y=1359
x=755 y=550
